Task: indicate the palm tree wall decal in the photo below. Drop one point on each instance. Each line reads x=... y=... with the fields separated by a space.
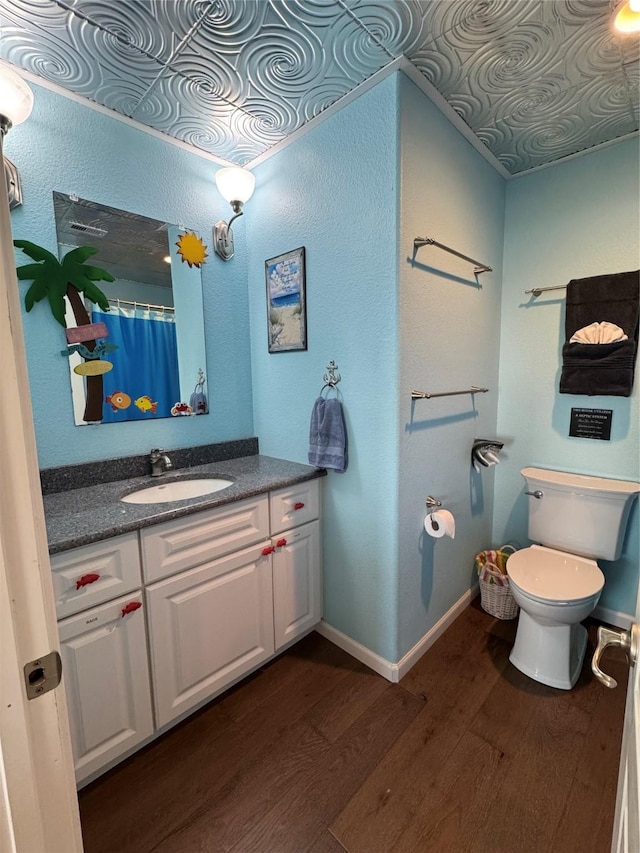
x=70 y=277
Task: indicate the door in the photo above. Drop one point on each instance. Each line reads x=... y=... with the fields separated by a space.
x=626 y=828
x=38 y=803
x=104 y=658
x=297 y=585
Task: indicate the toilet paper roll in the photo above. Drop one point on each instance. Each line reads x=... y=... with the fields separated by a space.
x=440 y=523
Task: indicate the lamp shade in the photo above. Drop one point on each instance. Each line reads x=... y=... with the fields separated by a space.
x=235 y=183
x=16 y=98
x=627 y=16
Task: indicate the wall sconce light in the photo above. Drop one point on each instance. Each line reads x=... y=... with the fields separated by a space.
x=627 y=16
x=236 y=186
x=16 y=102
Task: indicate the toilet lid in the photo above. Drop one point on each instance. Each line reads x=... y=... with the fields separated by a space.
x=554 y=575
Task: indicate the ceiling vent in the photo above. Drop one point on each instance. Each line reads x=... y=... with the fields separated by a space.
x=93 y=230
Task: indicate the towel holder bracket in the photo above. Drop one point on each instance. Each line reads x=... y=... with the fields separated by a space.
x=331 y=377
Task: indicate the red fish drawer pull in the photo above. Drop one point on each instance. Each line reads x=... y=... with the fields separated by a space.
x=281 y=543
x=298 y=505
x=130 y=607
x=87 y=579
x=268 y=550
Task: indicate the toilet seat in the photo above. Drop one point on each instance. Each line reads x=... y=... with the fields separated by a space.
x=554 y=577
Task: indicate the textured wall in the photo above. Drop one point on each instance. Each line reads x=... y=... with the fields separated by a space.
x=334 y=191
x=569 y=221
x=74 y=149
x=450 y=333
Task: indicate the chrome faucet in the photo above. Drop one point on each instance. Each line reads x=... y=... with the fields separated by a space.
x=160 y=462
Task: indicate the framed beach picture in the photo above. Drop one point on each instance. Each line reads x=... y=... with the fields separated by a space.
x=286 y=301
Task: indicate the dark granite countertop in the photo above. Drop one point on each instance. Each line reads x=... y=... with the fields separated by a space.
x=81 y=516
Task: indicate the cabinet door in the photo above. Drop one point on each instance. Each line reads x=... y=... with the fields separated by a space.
x=297 y=582
x=106 y=677
x=294 y=505
x=208 y=627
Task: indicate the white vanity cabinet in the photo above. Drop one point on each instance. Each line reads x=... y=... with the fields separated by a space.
x=211 y=596
x=105 y=673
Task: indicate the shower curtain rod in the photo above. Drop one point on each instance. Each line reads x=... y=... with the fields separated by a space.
x=146 y=305
x=429 y=241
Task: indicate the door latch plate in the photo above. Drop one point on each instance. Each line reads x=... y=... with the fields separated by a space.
x=42 y=674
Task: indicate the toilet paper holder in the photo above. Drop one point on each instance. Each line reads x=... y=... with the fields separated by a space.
x=432 y=503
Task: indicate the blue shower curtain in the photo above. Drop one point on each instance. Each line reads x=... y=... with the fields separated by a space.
x=145 y=365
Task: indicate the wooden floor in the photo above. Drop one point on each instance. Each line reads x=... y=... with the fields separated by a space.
x=316 y=753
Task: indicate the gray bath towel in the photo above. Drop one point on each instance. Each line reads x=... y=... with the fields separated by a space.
x=328 y=435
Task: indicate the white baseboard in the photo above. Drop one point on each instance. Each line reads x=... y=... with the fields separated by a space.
x=395 y=671
x=414 y=654
x=613 y=617
x=374 y=661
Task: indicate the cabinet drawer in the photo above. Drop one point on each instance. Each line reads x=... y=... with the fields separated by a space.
x=95 y=573
x=188 y=542
x=294 y=505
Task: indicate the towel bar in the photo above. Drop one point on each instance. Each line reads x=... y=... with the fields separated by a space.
x=429 y=241
x=538 y=290
x=427 y=395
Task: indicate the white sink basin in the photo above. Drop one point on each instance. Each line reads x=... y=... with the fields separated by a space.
x=178 y=490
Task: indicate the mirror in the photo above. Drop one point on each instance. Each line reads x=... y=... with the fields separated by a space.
x=152 y=357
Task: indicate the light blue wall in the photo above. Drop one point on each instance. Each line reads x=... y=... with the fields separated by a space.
x=450 y=334
x=71 y=148
x=335 y=191
x=572 y=220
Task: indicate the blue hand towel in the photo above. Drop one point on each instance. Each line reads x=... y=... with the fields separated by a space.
x=328 y=435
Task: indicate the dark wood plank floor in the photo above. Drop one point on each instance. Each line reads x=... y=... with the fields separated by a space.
x=317 y=754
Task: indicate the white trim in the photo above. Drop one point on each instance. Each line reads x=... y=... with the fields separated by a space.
x=374 y=661
x=395 y=671
x=447 y=110
x=613 y=617
x=335 y=107
x=576 y=155
x=99 y=108
x=414 y=654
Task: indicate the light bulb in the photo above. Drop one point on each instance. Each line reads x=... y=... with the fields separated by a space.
x=627 y=17
x=16 y=98
x=235 y=184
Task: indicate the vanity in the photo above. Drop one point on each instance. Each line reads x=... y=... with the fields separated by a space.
x=162 y=607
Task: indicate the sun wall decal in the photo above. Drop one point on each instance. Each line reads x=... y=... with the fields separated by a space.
x=191 y=249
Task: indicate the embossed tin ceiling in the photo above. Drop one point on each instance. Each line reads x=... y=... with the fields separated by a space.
x=536 y=80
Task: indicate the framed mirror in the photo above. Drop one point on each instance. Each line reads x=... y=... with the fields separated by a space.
x=153 y=364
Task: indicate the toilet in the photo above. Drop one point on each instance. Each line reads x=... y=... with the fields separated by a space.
x=573 y=519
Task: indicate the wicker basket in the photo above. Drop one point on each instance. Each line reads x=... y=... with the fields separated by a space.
x=495 y=593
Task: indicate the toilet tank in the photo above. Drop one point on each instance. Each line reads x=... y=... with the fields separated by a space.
x=577 y=513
